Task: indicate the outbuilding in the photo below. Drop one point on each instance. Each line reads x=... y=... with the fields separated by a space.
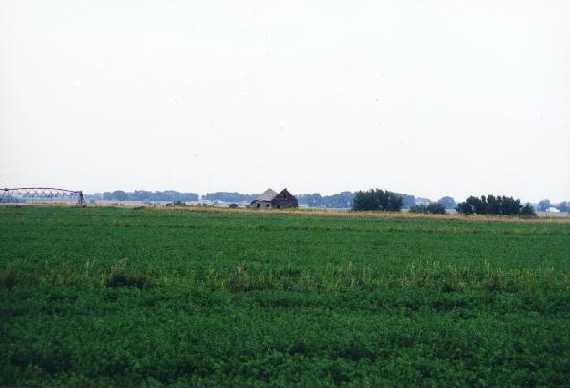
x=273 y=200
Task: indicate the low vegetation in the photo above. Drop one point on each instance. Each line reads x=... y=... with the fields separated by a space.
x=184 y=296
x=432 y=208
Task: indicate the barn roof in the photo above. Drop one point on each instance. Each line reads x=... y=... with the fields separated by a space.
x=268 y=195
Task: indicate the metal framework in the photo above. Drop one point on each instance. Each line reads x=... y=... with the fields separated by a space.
x=40 y=193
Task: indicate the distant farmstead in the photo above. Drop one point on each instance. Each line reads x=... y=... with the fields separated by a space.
x=272 y=200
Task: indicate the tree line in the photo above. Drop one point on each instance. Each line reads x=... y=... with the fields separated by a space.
x=494 y=205
x=144 y=196
x=229 y=197
x=383 y=200
x=373 y=199
x=338 y=201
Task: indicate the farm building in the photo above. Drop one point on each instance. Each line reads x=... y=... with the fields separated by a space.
x=271 y=199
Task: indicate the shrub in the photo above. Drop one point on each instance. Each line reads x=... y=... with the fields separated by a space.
x=527 y=211
x=432 y=208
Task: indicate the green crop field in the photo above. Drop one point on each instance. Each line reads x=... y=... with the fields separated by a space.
x=151 y=297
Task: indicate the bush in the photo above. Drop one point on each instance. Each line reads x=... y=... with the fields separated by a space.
x=432 y=208
x=382 y=200
x=527 y=211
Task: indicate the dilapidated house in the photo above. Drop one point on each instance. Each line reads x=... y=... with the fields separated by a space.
x=272 y=200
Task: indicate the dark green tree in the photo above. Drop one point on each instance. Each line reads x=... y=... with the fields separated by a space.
x=375 y=199
x=464 y=208
x=490 y=204
x=364 y=200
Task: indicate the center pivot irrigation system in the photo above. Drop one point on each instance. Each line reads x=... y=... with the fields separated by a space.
x=49 y=194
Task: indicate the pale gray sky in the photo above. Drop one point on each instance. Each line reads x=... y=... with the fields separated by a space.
x=422 y=97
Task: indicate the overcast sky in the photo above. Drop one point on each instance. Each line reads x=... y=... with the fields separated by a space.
x=423 y=97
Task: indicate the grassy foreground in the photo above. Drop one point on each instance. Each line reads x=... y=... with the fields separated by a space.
x=131 y=297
